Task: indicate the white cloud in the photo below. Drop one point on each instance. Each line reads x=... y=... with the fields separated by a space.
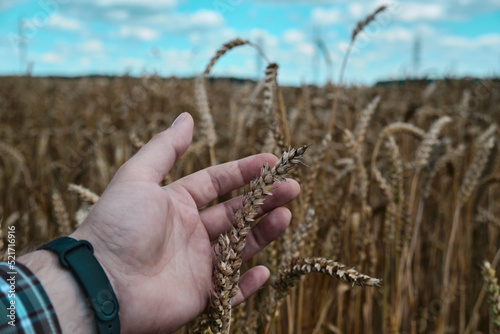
x=356 y=10
x=185 y=22
x=143 y=33
x=483 y=41
x=211 y=39
x=293 y=36
x=52 y=58
x=4 y=4
x=194 y=37
x=325 y=16
x=205 y=18
x=118 y=15
x=92 y=46
x=60 y=22
x=301 y=2
x=419 y=11
x=306 y=49
x=395 y=34
x=268 y=39
x=85 y=62
x=132 y=63
x=142 y=3
x=182 y=61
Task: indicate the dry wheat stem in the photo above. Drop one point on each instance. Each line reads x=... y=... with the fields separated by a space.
x=228 y=46
x=360 y=26
x=207 y=124
x=225 y=48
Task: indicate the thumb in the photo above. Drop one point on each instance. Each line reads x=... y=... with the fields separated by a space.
x=155 y=159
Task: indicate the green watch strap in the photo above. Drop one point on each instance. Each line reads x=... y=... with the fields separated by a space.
x=78 y=256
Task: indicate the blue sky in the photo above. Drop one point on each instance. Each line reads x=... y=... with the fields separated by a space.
x=178 y=37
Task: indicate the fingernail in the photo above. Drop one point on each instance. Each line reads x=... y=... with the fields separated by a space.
x=179 y=119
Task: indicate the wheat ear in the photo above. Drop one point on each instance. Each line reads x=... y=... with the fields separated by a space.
x=392 y=128
x=364 y=120
x=18 y=158
x=62 y=217
x=207 y=127
x=230 y=246
x=485 y=144
x=300 y=266
x=430 y=140
x=84 y=193
x=491 y=285
x=275 y=141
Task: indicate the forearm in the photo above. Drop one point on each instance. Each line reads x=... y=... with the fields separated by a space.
x=70 y=303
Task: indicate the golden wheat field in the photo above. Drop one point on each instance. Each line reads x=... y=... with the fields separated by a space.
x=397 y=226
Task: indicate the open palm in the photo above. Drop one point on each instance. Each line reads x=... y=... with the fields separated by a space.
x=155 y=244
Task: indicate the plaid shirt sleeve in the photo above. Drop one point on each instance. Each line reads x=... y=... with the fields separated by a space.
x=24 y=305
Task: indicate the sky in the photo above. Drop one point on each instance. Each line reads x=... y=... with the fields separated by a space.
x=178 y=37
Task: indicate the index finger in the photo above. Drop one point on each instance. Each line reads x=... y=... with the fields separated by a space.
x=208 y=184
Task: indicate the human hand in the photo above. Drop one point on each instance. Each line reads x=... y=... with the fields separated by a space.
x=154 y=243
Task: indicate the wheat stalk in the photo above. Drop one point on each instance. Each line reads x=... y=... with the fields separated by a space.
x=225 y=48
x=486 y=142
x=359 y=27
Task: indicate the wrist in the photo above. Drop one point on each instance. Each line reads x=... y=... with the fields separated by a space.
x=109 y=266
x=69 y=301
